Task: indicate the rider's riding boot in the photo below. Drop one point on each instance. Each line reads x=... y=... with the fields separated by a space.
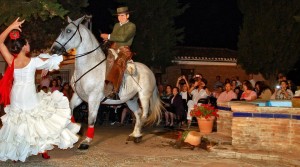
x=115 y=75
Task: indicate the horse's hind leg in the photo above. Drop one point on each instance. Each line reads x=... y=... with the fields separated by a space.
x=133 y=106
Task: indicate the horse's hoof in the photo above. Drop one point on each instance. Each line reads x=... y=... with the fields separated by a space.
x=137 y=139
x=83 y=146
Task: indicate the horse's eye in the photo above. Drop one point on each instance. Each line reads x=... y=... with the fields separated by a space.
x=68 y=31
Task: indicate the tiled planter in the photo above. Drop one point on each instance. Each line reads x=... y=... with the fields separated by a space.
x=266 y=128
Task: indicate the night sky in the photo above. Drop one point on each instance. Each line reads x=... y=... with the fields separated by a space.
x=211 y=23
x=207 y=23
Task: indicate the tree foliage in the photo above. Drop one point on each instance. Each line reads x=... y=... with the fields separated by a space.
x=156 y=34
x=269 y=37
x=28 y=9
x=44 y=18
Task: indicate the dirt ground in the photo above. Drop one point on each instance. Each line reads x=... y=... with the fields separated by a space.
x=110 y=148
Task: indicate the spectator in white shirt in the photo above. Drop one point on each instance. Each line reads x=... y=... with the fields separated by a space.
x=198 y=91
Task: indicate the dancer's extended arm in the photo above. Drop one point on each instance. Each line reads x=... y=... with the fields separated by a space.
x=3 y=49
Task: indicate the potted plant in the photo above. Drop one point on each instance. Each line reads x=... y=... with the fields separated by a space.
x=205 y=114
x=191 y=137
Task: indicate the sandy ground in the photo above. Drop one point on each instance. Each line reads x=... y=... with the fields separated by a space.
x=110 y=148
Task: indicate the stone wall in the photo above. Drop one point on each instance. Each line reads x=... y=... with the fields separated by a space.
x=266 y=128
x=254 y=126
x=224 y=121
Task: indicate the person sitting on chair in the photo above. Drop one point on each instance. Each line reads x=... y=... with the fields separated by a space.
x=122 y=36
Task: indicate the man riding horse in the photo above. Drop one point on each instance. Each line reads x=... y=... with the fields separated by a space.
x=122 y=37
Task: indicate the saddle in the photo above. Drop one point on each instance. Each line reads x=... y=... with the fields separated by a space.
x=118 y=63
x=112 y=55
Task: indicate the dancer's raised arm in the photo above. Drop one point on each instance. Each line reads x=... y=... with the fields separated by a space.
x=3 y=49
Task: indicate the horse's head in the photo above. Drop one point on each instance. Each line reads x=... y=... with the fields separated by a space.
x=69 y=38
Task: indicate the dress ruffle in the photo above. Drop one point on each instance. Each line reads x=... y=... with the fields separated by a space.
x=29 y=132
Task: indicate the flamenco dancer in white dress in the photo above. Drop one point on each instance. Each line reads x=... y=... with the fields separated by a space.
x=34 y=122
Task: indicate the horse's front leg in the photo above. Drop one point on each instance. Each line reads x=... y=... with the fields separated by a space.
x=93 y=110
x=75 y=101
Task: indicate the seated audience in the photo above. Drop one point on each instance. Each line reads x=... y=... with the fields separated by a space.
x=59 y=82
x=125 y=112
x=248 y=93
x=233 y=84
x=227 y=95
x=53 y=86
x=45 y=89
x=177 y=106
x=283 y=93
x=160 y=89
x=218 y=82
x=67 y=90
x=217 y=92
x=184 y=93
x=166 y=98
x=198 y=91
x=45 y=81
x=263 y=91
x=251 y=80
x=292 y=86
x=238 y=82
x=238 y=92
x=227 y=80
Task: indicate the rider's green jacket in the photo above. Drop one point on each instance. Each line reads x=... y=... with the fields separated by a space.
x=123 y=34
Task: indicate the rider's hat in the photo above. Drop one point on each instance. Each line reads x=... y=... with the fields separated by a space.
x=123 y=9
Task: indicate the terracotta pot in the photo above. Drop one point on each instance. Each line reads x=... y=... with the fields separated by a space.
x=193 y=138
x=205 y=125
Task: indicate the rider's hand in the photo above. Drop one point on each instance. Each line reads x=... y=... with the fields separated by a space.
x=104 y=36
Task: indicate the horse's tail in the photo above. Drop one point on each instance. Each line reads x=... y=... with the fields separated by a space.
x=155 y=109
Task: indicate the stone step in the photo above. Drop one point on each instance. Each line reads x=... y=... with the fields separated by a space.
x=217 y=139
x=212 y=140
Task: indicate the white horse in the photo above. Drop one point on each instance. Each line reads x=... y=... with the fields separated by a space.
x=88 y=81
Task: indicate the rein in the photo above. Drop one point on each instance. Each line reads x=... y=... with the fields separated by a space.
x=89 y=70
x=84 y=54
x=81 y=55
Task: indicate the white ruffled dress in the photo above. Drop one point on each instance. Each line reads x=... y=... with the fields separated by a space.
x=35 y=122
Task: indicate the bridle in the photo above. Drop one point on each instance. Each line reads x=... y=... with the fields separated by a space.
x=80 y=55
x=63 y=45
